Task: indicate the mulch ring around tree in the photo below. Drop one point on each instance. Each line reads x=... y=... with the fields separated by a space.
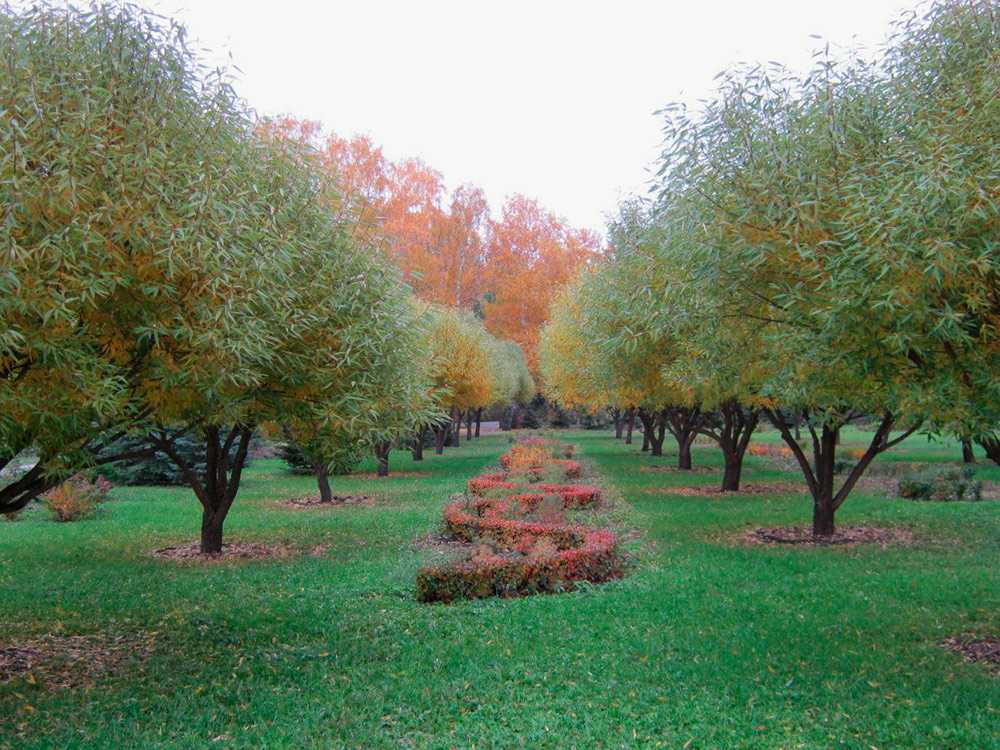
x=338 y=501
x=694 y=470
x=977 y=649
x=392 y=475
x=745 y=490
x=230 y=552
x=69 y=661
x=848 y=536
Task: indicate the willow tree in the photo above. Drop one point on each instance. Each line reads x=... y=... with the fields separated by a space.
x=514 y=385
x=635 y=321
x=462 y=369
x=573 y=370
x=780 y=175
x=119 y=195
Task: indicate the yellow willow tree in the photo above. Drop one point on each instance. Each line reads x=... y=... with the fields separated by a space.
x=319 y=330
x=790 y=182
x=462 y=369
x=120 y=187
x=572 y=369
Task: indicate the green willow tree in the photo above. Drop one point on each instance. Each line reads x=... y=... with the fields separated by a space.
x=118 y=196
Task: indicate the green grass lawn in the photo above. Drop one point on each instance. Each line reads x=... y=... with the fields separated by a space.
x=707 y=644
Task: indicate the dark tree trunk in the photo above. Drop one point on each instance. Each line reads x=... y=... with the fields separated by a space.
x=732 y=427
x=417 y=449
x=322 y=472
x=479 y=420
x=732 y=472
x=968 y=455
x=819 y=473
x=216 y=489
x=684 y=423
x=382 y=450
x=468 y=424
x=440 y=437
x=456 y=427
x=991 y=445
x=684 y=454
x=629 y=419
x=648 y=421
x=656 y=435
x=616 y=415
x=211 y=531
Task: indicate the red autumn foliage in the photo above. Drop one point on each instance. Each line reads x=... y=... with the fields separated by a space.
x=535 y=556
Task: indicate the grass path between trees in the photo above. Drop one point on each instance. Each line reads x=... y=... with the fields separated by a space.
x=709 y=643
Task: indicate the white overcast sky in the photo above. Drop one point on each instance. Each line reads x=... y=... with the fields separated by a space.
x=551 y=99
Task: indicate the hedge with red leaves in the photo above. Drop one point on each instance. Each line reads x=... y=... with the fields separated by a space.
x=582 y=553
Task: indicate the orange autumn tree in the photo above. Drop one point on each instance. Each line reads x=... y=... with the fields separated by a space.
x=533 y=255
x=448 y=248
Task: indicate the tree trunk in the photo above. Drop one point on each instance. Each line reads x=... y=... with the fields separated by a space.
x=732 y=430
x=657 y=433
x=819 y=473
x=991 y=445
x=629 y=419
x=211 y=531
x=418 y=443
x=322 y=472
x=684 y=454
x=468 y=424
x=684 y=424
x=382 y=450
x=440 y=437
x=968 y=455
x=823 y=517
x=479 y=420
x=616 y=414
x=456 y=427
x=647 y=428
x=733 y=471
x=216 y=488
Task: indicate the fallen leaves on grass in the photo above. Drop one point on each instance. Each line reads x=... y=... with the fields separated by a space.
x=744 y=491
x=337 y=501
x=72 y=660
x=239 y=551
x=695 y=470
x=976 y=648
x=392 y=475
x=843 y=536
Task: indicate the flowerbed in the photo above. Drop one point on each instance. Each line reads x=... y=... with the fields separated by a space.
x=524 y=555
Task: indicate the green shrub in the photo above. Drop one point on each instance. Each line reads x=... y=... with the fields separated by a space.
x=945 y=484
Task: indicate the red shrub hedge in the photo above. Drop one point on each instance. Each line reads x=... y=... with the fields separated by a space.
x=595 y=561
x=569 y=553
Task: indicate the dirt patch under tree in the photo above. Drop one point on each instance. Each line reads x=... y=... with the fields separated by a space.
x=843 y=536
x=976 y=648
x=338 y=501
x=238 y=551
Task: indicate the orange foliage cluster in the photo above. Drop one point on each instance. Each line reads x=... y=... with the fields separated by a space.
x=76 y=498
x=449 y=247
x=763 y=449
x=536 y=555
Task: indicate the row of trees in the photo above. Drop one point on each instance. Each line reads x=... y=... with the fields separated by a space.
x=171 y=267
x=821 y=250
x=448 y=247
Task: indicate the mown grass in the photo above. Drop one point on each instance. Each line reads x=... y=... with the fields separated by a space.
x=708 y=644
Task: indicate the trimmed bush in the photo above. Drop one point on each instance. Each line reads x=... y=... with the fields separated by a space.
x=943 y=485
x=516 y=556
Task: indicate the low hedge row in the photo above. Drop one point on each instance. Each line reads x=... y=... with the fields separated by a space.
x=571 y=553
x=595 y=561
